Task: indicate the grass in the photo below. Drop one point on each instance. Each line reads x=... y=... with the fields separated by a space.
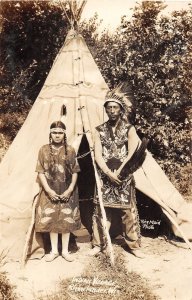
x=102 y=281
x=6 y=289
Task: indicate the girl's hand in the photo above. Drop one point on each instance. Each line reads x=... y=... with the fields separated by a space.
x=66 y=195
x=53 y=195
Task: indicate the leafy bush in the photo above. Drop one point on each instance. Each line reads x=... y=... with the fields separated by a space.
x=32 y=33
x=10 y=123
x=181 y=177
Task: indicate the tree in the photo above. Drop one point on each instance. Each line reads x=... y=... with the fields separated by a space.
x=153 y=53
x=32 y=33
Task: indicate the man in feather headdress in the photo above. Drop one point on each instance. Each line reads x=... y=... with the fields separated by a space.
x=115 y=143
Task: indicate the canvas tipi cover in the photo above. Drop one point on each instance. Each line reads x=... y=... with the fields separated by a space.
x=76 y=82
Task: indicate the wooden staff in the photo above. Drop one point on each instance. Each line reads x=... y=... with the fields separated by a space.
x=87 y=126
x=29 y=232
x=103 y=213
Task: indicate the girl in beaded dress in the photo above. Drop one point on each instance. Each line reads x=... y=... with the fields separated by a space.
x=58 y=207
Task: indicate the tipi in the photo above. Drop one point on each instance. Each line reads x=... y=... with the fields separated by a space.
x=76 y=82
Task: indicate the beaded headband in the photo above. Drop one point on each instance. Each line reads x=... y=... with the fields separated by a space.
x=56 y=128
x=114 y=99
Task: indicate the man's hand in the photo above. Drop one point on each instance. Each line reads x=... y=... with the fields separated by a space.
x=128 y=177
x=114 y=177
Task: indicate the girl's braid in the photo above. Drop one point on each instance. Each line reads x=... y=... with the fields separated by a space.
x=52 y=160
x=65 y=143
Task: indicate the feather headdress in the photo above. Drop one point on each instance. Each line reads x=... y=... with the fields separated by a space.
x=123 y=95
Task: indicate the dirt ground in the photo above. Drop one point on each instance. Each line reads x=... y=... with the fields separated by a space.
x=167 y=268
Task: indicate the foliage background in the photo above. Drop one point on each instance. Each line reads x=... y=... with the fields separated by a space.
x=151 y=52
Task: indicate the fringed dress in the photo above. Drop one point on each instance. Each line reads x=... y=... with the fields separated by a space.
x=57 y=217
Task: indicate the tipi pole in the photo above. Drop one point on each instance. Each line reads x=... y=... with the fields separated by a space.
x=167 y=212
x=87 y=127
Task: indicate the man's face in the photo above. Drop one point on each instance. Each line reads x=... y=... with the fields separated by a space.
x=113 y=111
x=57 y=135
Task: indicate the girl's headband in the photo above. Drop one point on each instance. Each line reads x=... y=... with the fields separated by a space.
x=57 y=128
